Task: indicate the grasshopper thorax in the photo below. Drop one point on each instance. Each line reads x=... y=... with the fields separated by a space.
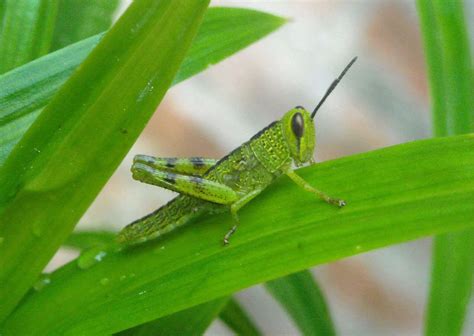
x=299 y=134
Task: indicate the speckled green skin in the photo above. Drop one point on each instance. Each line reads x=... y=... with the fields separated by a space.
x=249 y=168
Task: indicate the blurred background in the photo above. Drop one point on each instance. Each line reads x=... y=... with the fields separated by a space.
x=382 y=101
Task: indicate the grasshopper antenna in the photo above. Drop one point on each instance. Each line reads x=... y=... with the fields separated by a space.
x=333 y=86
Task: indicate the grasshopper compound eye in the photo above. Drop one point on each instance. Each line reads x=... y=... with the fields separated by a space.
x=297 y=125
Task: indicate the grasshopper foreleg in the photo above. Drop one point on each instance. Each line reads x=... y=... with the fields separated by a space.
x=306 y=186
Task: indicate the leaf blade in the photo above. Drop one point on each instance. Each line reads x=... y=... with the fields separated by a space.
x=192 y=321
x=390 y=200
x=302 y=298
x=131 y=71
x=25 y=90
x=84 y=240
x=237 y=319
x=449 y=62
x=27 y=30
x=80 y=19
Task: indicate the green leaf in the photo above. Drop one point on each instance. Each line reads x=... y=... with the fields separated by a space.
x=27 y=30
x=237 y=319
x=84 y=240
x=79 y=19
x=197 y=318
x=393 y=195
x=447 y=50
x=27 y=89
x=192 y=321
x=72 y=149
x=301 y=297
x=449 y=62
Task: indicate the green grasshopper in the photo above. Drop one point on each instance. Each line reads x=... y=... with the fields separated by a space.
x=211 y=186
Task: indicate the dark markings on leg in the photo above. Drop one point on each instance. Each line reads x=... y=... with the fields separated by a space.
x=197 y=162
x=195 y=179
x=171 y=162
x=170 y=178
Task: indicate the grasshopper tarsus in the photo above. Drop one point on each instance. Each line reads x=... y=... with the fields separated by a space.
x=228 y=234
x=337 y=202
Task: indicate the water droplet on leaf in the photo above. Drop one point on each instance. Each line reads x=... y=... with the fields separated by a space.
x=104 y=281
x=42 y=282
x=37 y=231
x=91 y=257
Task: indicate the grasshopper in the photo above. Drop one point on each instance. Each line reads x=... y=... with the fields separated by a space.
x=211 y=186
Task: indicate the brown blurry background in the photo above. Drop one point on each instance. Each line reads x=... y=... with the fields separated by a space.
x=382 y=101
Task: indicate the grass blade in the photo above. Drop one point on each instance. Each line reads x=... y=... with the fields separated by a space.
x=84 y=240
x=24 y=91
x=79 y=19
x=27 y=30
x=237 y=319
x=301 y=297
x=449 y=68
x=197 y=319
x=391 y=198
x=192 y=321
x=64 y=159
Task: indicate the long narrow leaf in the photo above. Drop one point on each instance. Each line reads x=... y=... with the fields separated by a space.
x=71 y=150
x=84 y=240
x=24 y=91
x=237 y=319
x=393 y=195
x=27 y=31
x=450 y=72
x=301 y=297
x=192 y=321
x=80 y=19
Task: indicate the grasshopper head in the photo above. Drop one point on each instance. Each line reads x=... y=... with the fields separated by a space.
x=298 y=127
x=299 y=133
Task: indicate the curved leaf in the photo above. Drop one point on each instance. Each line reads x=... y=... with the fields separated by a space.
x=393 y=195
x=301 y=297
x=447 y=49
x=192 y=321
x=237 y=319
x=72 y=149
x=25 y=90
x=80 y=19
x=27 y=30
x=84 y=240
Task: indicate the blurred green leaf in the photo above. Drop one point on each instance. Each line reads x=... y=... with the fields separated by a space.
x=192 y=321
x=84 y=240
x=27 y=30
x=2 y=14
x=391 y=198
x=71 y=150
x=301 y=297
x=237 y=319
x=79 y=19
x=24 y=91
x=451 y=82
x=197 y=318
